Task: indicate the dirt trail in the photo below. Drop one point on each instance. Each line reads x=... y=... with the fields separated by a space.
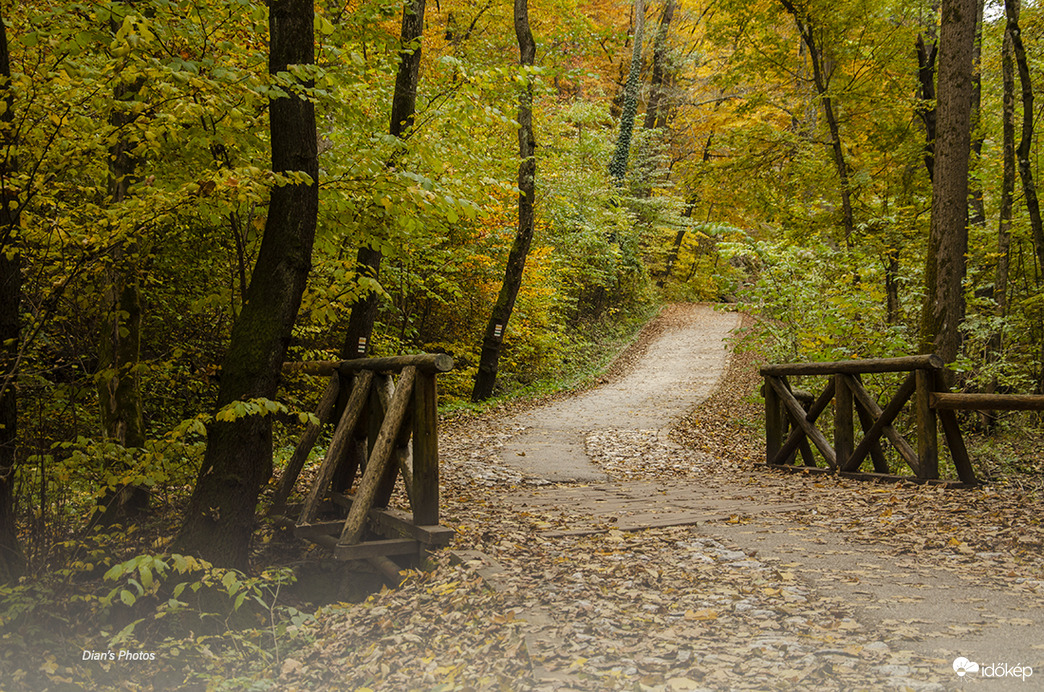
x=676 y=371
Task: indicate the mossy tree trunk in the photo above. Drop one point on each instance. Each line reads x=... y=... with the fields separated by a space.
x=238 y=461
x=486 y=377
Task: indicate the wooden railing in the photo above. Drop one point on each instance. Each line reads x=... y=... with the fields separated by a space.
x=372 y=440
x=932 y=405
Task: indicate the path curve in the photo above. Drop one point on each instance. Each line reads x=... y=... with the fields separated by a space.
x=680 y=368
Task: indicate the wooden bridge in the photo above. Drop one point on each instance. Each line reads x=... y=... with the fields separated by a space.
x=791 y=416
x=377 y=417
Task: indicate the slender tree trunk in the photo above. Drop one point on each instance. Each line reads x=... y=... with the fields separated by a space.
x=1007 y=199
x=821 y=80
x=656 y=111
x=1007 y=204
x=404 y=106
x=12 y=560
x=618 y=164
x=892 y=305
x=220 y=517
x=926 y=55
x=1029 y=187
x=977 y=212
x=486 y=376
x=948 y=243
x=119 y=349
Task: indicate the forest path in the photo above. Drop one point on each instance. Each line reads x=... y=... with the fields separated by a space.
x=598 y=467
x=671 y=375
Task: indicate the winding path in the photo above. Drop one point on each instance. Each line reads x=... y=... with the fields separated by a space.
x=677 y=371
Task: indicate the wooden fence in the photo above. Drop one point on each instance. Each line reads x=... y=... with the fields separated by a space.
x=791 y=416
x=372 y=441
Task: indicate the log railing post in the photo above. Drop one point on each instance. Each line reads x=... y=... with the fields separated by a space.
x=927 y=426
x=381 y=454
x=773 y=423
x=425 y=451
x=844 y=434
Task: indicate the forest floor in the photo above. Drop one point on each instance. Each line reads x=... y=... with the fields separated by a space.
x=751 y=579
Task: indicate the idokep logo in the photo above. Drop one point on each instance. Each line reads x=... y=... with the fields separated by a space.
x=962 y=666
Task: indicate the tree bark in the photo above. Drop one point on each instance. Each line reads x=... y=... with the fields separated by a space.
x=618 y=164
x=945 y=267
x=404 y=106
x=486 y=377
x=655 y=111
x=12 y=559
x=821 y=80
x=220 y=517
x=1029 y=186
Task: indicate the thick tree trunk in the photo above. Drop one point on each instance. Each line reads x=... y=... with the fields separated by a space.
x=1029 y=186
x=618 y=164
x=12 y=560
x=404 y=106
x=821 y=80
x=486 y=376
x=220 y=517
x=655 y=111
x=119 y=348
x=945 y=268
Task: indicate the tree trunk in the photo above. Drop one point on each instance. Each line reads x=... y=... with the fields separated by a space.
x=220 y=517
x=977 y=212
x=655 y=111
x=119 y=348
x=1029 y=187
x=926 y=95
x=486 y=376
x=12 y=560
x=821 y=80
x=892 y=306
x=1007 y=198
x=618 y=164
x=945 y=267
x=404 y=106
